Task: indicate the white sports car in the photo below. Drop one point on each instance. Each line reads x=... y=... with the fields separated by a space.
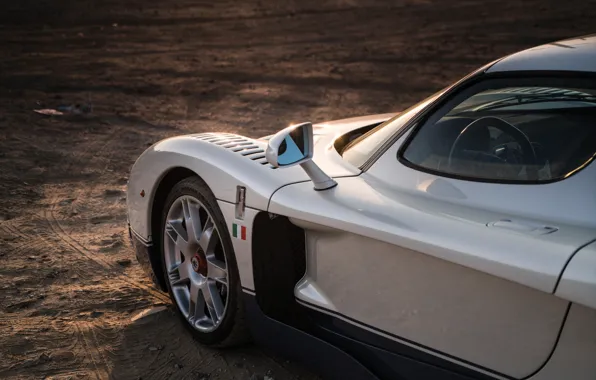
x=453 y=240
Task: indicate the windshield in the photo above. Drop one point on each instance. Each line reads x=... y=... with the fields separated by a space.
x=526 y=98
x=361 y=149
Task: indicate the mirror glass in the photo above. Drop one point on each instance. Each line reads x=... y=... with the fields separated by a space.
x=294 y=148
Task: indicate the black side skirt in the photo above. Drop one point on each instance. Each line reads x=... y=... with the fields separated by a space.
x=324 y=358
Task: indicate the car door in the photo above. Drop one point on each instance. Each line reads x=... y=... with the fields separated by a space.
x=451 y=267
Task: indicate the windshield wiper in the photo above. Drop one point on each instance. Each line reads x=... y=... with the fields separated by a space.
x=530 y=99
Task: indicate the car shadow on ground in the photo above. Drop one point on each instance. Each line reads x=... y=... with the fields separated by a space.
x=157 y=346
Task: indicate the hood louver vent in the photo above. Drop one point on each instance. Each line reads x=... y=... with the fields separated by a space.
x=237 y=144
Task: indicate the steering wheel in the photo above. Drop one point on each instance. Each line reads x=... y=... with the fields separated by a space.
x=528 y=153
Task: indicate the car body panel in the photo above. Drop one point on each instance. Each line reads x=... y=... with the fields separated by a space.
x=242 y=247
x=578 y=282
x=576 y=54
x=405 y=241
x=362 y=205
x=573 y=357
x=224 y=169
x=504 y=239
x=467 y=309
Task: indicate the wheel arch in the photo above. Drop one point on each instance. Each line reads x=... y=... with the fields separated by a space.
x=163 y=187
x=171 y=160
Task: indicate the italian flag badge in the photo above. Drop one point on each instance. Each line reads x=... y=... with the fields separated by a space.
x=238 y=231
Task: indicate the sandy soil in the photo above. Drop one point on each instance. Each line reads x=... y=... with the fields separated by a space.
x=70 y=291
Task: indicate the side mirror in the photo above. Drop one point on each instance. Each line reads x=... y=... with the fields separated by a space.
x=294 y=145
x=291 y=146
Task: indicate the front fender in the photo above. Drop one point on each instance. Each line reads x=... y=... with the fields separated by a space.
x=222 y=169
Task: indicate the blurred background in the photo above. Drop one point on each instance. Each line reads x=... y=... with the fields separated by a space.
x=87 y=85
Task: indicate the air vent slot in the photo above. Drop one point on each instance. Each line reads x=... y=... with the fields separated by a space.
x=237 y=144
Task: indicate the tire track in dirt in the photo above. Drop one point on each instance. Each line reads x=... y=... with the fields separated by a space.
x=100 y=261
x=93 y=351
x=29 y=240
x=10 y=228
x=85 y=331
x=91 y=153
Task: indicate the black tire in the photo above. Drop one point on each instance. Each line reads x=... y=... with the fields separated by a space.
x=232 y=330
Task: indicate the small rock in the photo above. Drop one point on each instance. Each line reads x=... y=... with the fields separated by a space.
x=110 y=247
x=31 y=258
x=177 y=366
x=75 y=277
x=202 y=375
x=124 y=262
x=63 y=355
x=95 y=314
x=52 y=274
x=153 y=348
x=268 y=378
x=20 y=305
x=44 y=358
x=100 y=219
x=66 y=202
x=112 y=192
x=3 y=217
x=29 y=363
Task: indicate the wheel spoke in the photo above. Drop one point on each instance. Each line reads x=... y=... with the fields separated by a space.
x=213 y=300
x=174 y=230
x=179 y=275
x=196 y=304
x=192 y=220
x=209 y=238
x=216 y=269
x=179 y=236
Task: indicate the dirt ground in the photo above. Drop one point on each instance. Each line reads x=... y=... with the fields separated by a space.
x=70 y=290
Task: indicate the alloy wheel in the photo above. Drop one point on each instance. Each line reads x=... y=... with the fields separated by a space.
x=196 y=263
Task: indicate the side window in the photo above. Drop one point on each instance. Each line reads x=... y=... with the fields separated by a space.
x=510 y=130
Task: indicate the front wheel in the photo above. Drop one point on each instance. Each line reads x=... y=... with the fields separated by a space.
x=200 y=265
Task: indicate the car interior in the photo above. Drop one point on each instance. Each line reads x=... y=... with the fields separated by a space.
x=548 y=141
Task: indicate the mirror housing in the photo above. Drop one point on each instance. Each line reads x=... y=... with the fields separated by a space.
x=294 y=145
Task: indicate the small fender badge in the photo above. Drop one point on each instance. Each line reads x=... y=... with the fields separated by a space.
x=240 y=202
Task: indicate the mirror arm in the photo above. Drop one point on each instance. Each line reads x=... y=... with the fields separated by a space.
x=321 y=180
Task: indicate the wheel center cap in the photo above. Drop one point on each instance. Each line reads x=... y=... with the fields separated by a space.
x=196 y=263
